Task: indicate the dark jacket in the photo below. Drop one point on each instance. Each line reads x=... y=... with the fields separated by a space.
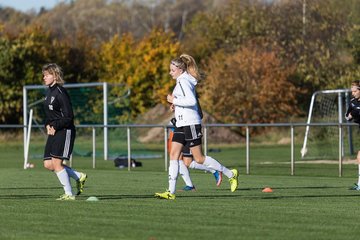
x=354 y=109
x=58 y=108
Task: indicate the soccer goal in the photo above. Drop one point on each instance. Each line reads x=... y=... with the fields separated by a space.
x=93 y=104
x=321 y=142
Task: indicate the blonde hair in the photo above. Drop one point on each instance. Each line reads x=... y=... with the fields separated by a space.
x=56 y=71
x=187 y=63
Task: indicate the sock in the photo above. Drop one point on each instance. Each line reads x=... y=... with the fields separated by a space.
x=184 y=172
x=215 y=165
x=65 y=181
x=198 y=166
x=72 y=173
x=173 y=174
x=359 y=176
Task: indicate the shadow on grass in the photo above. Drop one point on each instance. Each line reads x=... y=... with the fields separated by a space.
x=232 y=196
x=197 y=196
x=26 y=197
x=30 y=188
x=240 y=194
x=299 y=187
x=307 y=196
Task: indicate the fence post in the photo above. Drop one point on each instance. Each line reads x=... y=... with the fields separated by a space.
x=247 y=150
x=340 y=149
x=93 y=145
x=129 y=148
x=205 y=140
x=105 y=119
x=166 y=147
x=292 y=150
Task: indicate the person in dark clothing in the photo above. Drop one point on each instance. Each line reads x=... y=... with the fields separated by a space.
x=353 y=114
x=61 y=132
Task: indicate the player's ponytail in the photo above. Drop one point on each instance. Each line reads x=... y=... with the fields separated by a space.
x=191 y=66
x=187 y=63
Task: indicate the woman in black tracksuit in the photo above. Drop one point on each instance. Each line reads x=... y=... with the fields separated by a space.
x=353 y=114
x=61 y=132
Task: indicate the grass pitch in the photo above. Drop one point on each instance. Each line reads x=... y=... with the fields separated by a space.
x=299 y=207
x=313 y=204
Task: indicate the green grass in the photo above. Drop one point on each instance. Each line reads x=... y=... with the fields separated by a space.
x=299 y=207
x=313 y=204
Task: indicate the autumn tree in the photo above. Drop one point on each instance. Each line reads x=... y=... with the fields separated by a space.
x=250 y=85
x=142 y=66
x=316 y=48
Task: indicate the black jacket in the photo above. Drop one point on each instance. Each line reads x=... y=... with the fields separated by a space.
x=58 y=108
x=354 y=109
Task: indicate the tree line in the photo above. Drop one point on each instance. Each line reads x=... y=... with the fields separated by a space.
x=260 y=60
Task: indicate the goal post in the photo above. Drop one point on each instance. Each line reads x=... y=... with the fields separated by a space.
x=88 y=105
x=327 y=106
x=27 y=143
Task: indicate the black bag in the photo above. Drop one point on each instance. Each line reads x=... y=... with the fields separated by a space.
x=122 y=162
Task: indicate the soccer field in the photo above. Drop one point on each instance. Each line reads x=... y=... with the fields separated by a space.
x=300 y=207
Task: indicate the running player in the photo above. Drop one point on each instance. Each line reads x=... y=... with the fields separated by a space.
x=188 y=124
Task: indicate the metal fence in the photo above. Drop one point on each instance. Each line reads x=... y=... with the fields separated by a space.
x=247 y=127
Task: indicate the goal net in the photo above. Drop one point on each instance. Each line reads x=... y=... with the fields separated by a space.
x=93 y=104
x=321 y=141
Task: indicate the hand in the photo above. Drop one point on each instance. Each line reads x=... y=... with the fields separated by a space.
x=50 y=130
x=172 y=107
x=170 y=98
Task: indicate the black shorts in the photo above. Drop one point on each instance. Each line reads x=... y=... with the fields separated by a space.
x=186 y=151
x=188 y=135
x=60 y=145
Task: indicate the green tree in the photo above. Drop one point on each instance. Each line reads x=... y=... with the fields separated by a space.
x=22 y=58
x=20 y=64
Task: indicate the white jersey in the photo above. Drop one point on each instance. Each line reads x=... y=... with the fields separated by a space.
x=185 y=102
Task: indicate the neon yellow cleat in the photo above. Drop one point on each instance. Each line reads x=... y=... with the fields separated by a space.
x=166 y=195
x=234 y=180
x=80 y=183
x=66 y=197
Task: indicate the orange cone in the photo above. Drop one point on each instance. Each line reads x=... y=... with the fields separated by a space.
x=267 y=190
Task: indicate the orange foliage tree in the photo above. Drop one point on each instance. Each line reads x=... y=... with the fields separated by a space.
x=249 y=85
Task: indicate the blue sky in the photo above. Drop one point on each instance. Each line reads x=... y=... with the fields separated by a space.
x=26 y=5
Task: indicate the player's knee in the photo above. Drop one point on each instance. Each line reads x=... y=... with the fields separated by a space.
x=187 y=164
x=199 y=160
x=48 y=165
x=174 y=155
x=187 y=161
